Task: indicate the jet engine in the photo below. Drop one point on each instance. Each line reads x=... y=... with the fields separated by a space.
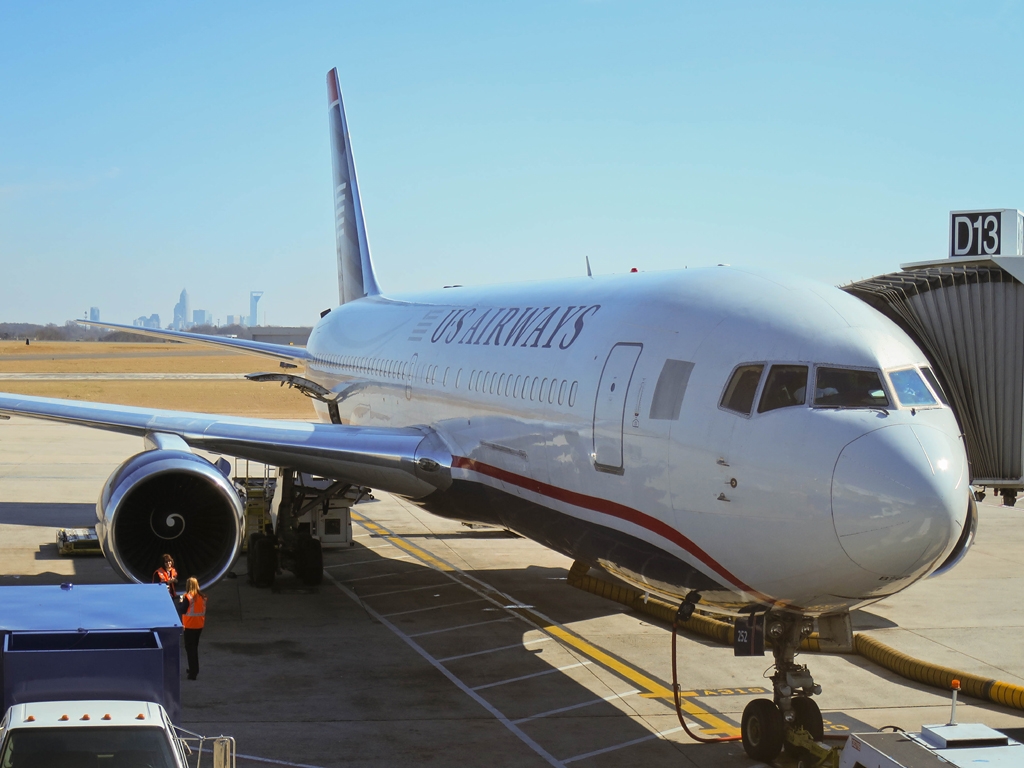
x=173 y=502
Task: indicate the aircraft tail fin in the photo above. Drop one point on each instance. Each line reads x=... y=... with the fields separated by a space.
x=355 y=268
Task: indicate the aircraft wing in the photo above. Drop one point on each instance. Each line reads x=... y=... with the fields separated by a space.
x=276 y=351
x=411 y=461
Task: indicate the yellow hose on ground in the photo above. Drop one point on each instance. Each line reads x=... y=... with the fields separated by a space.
x=1006 y=694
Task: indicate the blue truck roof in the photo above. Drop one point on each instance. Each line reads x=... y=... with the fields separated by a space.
x=86 y=606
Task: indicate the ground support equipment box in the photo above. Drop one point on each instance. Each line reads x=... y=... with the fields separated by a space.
x=331 y=520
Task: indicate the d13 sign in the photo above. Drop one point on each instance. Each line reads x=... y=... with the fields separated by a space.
x=975 y=233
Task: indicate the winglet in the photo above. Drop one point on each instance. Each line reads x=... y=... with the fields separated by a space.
x=355 y=268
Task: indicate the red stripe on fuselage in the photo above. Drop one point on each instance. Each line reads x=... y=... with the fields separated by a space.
x=605 y=507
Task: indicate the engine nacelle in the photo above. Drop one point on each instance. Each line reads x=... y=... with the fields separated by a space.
x=173 y=502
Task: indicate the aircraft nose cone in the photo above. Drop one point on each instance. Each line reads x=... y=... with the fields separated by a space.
x=899 y=498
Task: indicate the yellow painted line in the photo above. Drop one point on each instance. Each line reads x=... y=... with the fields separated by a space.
x=401 y=543
x=654 y=689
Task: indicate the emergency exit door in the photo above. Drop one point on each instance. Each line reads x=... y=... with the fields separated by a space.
x=610 y=406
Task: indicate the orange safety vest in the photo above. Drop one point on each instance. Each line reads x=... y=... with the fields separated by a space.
x=167 y=578
x=195 y=616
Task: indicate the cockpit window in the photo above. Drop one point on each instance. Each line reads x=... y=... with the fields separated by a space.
x=930 y=375
x=739 y=395
x=786 y=386
x=910 y=388
x=847 y=388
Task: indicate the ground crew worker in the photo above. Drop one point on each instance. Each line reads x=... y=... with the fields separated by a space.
x=193 y=618
x=166 y=575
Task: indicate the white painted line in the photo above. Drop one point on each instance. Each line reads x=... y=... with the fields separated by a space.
x=378 y=576
x=463 y=626
x=590 y=703
x=515 y=729
x=535 y=674
x=269 y=760
x=361 y=548
x=641 y=740
x=366 y=562
x=410 y=589
x=435 y=607
x=520 y=646
x=275 y=762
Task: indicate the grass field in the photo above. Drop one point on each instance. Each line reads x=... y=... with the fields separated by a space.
x=108 y=357
x=237 y=398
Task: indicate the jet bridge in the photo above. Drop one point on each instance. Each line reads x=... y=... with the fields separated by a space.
x=966 y=312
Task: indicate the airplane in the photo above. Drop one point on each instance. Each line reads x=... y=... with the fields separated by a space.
x=761 y=445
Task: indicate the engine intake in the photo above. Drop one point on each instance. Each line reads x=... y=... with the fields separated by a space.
x=173 y=502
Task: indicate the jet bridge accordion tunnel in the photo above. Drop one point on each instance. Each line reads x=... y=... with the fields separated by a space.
x=969 y=320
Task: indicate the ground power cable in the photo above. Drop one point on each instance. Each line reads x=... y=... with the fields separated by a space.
x=687 y=608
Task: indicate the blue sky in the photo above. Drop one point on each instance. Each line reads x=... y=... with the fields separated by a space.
x=146 y=147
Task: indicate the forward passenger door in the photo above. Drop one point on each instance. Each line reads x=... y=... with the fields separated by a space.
x=610 y=406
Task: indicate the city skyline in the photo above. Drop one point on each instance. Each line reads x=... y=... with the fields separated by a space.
x=184 y=316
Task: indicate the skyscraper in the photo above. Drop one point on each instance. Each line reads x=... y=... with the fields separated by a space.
x=254 y=298
x=153 y=321
x=182 y=313
x=94 y=314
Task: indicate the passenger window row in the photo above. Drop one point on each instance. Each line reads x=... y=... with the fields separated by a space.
x=376 y=366
x=534 y=388
x=523 y=387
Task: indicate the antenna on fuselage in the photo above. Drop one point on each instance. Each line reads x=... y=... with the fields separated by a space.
x=589 y=273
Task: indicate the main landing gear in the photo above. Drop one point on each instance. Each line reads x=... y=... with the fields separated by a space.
x=765 y=722
x=289 y=545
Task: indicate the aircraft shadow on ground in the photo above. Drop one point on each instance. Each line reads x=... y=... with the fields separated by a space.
x=520 y=682
x=866 y=620
x=48 y=515
x=85 y=569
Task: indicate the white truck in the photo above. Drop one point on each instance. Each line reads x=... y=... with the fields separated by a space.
x=104 y=734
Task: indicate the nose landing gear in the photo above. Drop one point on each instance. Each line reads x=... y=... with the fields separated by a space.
x=766 y=722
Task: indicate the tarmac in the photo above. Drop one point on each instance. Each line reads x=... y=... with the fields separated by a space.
x=430 y=643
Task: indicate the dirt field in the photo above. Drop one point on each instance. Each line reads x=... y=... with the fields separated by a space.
x=106 y=357
x=237 y=398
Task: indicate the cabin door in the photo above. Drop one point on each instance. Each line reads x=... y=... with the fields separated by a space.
x=610 y=406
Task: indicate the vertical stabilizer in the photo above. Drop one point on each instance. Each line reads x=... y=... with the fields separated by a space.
x=355 y=269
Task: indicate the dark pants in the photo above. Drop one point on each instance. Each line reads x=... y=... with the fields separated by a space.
x=192 y=652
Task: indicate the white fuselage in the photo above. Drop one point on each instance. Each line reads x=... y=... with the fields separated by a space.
x=548 y=397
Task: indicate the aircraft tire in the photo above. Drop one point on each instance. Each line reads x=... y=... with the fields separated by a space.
x=762 y=730
x=249 y=552
x=309 y=560
x=808 y=716
x=262 y=560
